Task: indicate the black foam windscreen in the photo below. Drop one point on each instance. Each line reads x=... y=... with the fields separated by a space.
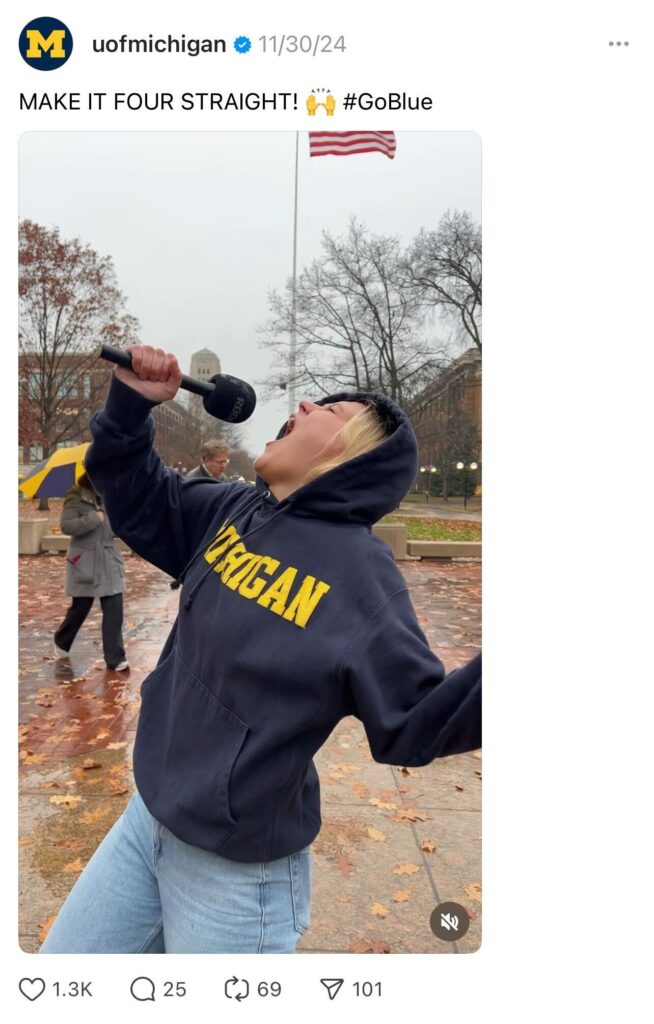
x=231 y=400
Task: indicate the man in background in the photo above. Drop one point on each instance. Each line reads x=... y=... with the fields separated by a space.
x=214 y=460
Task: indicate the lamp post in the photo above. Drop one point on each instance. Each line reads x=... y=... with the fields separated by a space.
x=462 y=465
x=430 y=470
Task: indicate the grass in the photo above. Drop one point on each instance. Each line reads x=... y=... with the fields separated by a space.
x=437 y=529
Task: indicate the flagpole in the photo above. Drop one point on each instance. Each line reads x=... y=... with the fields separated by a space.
x=293 y=354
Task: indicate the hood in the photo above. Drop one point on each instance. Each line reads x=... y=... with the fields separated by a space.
x=365 y=488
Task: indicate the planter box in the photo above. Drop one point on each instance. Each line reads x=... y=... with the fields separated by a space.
x=394 y=534
x=445 y=548
x=30 y=535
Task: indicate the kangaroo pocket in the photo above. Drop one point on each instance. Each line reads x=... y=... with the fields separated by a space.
x=187 y=743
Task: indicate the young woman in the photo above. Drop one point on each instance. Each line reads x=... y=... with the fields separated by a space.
x=292 y=615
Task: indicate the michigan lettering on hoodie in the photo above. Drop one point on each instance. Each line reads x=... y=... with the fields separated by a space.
x=292 y=615
x=263 y=579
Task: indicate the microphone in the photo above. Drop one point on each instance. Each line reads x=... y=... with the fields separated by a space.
x=227 y=398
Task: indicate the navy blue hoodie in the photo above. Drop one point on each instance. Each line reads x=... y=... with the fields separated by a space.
x=292 y=615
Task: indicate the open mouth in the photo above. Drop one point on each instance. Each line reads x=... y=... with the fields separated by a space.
x=290 y=426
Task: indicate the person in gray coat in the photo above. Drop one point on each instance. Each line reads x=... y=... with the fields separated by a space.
x=94 y=568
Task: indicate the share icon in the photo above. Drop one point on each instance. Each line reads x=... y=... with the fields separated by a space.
x=333 y=986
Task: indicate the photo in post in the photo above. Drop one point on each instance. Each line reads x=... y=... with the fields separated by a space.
x=249 y=626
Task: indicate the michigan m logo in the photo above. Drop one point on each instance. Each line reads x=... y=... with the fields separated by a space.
x=45 y=44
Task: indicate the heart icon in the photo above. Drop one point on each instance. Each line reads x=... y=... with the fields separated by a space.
x=32 y=988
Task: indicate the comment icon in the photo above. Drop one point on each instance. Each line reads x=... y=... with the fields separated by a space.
x=143 y=990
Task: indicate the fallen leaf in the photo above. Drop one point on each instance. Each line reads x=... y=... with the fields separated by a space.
x=66 y=801
x=387 y=795
x=370 y=946
x=89 y=763
x=25 y=842
x=347 y=768
x=375 y=834
x=44 y=927
x=27 y=757
x=428 y=846
x=116 y=746
x=459 y=787
x=379 y=910
x=412 y=772
x=118 y=788
x=382 y=806
x=344 y=865
x=406 y=869
x=74 y=866
x=473 y=891
x=408 y=814
x=102 y=735
x=100 y=812
x=401 y=896
x=359 y=788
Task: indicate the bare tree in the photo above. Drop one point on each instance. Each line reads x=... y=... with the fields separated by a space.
x=358 y=321
x=68 y=305
x=444 y=267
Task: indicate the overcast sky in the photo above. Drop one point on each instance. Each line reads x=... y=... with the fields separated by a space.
x=200 y=225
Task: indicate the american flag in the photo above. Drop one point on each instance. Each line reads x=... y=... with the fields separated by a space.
x=347 y=143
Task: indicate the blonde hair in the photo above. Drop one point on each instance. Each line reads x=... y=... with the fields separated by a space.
x=360 y=434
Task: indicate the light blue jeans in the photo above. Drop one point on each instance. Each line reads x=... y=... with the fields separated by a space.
x=145 y=891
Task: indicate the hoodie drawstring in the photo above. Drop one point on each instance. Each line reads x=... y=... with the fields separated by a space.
x=258 y=499
x=188 y=600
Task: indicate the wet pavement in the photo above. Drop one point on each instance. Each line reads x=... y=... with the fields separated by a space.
x=394 y=842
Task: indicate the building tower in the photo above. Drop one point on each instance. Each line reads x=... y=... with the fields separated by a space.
x=204 y=365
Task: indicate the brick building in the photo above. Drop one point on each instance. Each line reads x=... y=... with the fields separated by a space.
x=76 y=390
x=456 y=391
x=81 y=392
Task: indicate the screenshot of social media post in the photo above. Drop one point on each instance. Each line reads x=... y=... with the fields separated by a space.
x=241 y=257
x=250 y=542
